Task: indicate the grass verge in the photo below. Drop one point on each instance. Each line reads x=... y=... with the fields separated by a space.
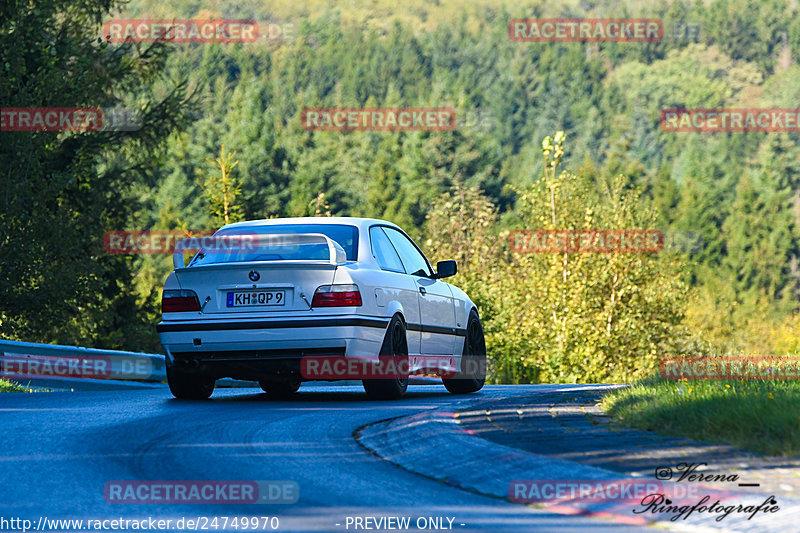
x=762 y=416
x=8 y=386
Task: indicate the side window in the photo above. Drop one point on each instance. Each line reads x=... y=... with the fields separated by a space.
x=383 y=250
x=413 y=261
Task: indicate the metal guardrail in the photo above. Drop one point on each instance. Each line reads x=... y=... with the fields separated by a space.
x=56 y=366
x=21 y=361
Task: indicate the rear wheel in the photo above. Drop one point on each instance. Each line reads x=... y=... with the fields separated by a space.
x=189 y=385
x=283 y=388
x=393 y=355
x=472 y=375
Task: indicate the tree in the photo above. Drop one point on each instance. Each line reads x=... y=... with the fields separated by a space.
x=60 y=191
x=585 y=317
x=761 y=235
x=222 y=190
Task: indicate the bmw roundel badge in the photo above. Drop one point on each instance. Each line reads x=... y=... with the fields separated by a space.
x=254 y=276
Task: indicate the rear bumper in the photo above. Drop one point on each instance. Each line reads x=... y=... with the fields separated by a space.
x=249 y=342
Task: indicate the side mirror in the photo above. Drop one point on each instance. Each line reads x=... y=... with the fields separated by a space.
x=445 y=269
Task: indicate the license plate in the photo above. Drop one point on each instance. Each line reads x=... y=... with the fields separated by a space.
x=256 y=298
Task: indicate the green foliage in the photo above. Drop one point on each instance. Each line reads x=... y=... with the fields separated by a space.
x=587 y=317
x=765 y=231
x=59 y=192
x=10 y=386
x=715 y=411
x=571 y=317
x=462 y=189
x=222 y=190
x=462 y=225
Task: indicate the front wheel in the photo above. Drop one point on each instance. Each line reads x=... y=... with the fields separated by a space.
x=189 y=385
x=472 y=375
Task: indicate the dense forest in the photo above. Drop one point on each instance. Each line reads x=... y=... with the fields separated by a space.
x=735 y=196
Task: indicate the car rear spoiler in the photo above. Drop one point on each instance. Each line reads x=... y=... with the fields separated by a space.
x=253 y=241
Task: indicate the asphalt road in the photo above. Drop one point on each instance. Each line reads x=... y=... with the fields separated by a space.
x=58 y=451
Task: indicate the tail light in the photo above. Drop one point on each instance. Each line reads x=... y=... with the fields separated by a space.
x=337 y=296
x=179 y=301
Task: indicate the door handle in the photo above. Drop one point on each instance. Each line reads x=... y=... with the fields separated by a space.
x=422 y=290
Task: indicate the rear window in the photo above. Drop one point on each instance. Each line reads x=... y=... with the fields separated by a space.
x=345 y=235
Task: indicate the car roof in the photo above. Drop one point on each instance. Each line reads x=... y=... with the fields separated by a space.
x=361 y=223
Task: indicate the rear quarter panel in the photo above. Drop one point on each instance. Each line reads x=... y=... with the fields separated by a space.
x=463 y=306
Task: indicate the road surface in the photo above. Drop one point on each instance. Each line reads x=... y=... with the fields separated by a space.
x=59 y=450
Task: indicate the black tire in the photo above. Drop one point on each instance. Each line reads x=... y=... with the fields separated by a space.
x=395 y=346
x=472 y=375
x=189 y=385
x=282 y=388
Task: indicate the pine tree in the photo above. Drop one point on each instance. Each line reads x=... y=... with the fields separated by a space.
x=761 y=233
x=222 y=190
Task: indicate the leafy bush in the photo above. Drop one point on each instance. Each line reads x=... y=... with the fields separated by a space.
x=564 y=317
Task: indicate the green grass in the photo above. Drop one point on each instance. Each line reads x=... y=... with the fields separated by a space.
x=762 y=416
x=8 y=386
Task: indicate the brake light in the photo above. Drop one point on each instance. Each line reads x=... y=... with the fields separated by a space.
x=179 y=301
x=337 y=296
